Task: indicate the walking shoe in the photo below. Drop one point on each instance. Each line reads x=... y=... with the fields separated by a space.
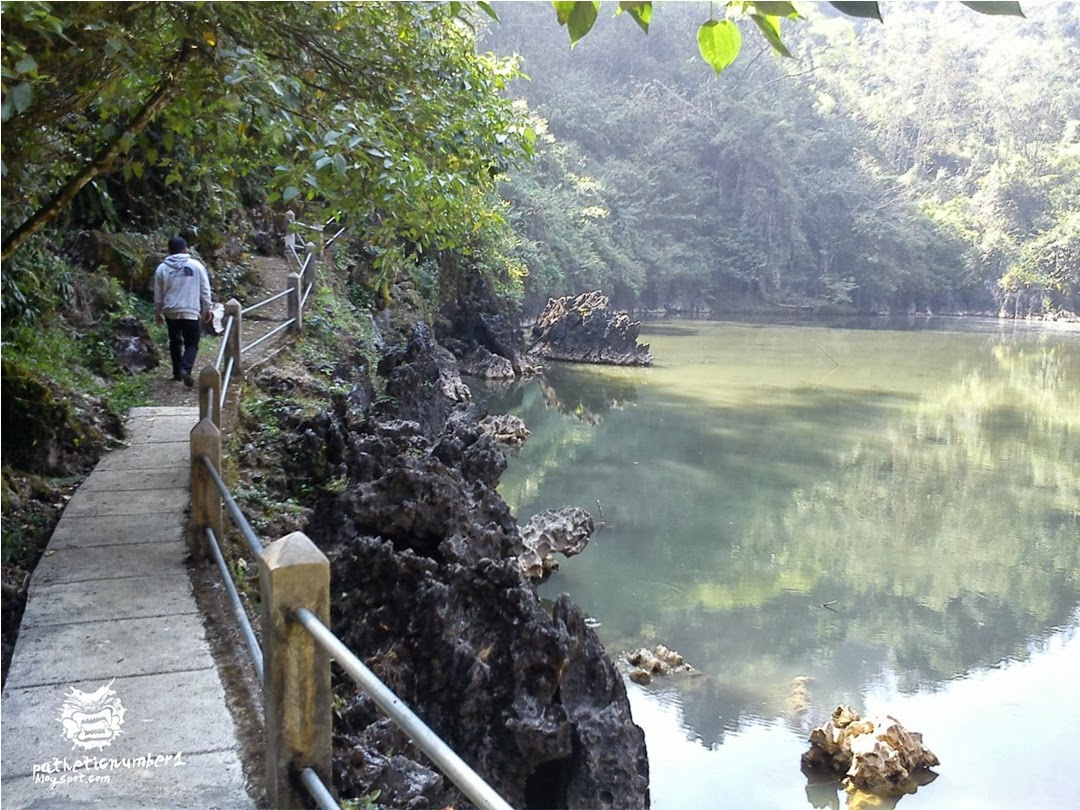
x=188 y=381
x=177 y=377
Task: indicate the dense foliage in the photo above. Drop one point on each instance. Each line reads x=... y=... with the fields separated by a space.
x=137 y=115
x=932 y=162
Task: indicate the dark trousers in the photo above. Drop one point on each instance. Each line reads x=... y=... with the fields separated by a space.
x=183 y=344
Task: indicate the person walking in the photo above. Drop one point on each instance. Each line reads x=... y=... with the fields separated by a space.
x=181 y=300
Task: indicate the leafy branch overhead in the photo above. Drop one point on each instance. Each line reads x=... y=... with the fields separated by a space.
x=720 y=41
x=383 y=112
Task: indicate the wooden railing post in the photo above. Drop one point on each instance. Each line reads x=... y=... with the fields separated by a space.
x=295 y=299
x=294 y=573
x=232 y=307
x=210 y=395
x=205 y=498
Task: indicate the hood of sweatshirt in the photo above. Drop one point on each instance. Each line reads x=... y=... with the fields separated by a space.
x=177 y=260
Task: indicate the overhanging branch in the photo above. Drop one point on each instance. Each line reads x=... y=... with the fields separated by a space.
x=157 y=100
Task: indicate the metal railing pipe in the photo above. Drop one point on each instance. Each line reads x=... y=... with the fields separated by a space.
x=469 y=781
x=254 y=544
x=331 y=240
x=264 y=302
x=225 y=385
x=238 y=608
x=224 y=342
x=323 y=798
x=270 y=334
x=307 y=292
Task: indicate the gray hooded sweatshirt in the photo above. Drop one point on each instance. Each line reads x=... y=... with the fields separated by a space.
x=181 y=288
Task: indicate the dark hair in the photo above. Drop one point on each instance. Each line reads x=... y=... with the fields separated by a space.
x=177 y=244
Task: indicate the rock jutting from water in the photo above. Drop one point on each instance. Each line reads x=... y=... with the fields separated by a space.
x=564 y=531
x=583 y=329
x=876 y=755
x=645 y=663
x=505 y=429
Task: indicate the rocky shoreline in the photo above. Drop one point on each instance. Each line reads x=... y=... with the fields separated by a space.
x=428 y=589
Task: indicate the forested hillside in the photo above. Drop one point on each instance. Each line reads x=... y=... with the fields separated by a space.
x=931 y=162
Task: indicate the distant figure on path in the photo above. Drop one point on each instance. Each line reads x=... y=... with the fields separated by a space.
x=181 y=298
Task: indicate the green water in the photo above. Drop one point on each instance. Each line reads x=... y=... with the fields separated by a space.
x=924 y=484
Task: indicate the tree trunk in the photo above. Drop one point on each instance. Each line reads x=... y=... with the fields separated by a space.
x=158 y=99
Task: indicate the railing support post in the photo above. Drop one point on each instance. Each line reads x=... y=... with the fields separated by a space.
x=311 y=271
x=295 y=299
x=232 y=307
x=296 y=683
x=290 y=232
x=205 y=498
x=210 y=395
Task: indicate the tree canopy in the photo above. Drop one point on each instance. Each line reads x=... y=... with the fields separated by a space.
x=383 y=111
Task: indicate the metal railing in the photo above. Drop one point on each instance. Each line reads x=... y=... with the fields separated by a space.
x=214 y=387
x=294 y=582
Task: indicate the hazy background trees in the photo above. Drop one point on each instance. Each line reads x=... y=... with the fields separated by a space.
x=927 y=163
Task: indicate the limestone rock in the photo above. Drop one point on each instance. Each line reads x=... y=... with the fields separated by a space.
x=877 y=755
x=487 y=342
x=133 y=347
x=582 y=329
x=505 y=429
x=488 y=366
x=565 y=530
x=645 y=663
x=428 y=591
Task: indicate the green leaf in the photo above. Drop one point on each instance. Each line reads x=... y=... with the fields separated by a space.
x=340 y=166
x=487 y=9
x=1005 y=8
x=640 y=11
x=769 y=25
x=22 y=95
x=719 y=42
x=26 y=65
x=290 y=193
x=869 y=11
x=778 y=10
x=325 y=160
x=578 y=17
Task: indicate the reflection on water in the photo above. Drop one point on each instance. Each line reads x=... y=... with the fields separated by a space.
x=921 y=485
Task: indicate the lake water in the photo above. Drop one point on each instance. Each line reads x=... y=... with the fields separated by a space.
x=922 y=484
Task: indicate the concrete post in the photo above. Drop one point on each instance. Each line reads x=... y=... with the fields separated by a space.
x=290 y=232
x=232 y=307
x=296 y=673
x=205 y=498
x=294 y=298
x=311 y=271
x=210 y=395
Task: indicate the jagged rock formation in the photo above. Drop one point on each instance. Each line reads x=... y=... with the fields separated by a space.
x=427 y=589
x=565 y=530
x=583 y=330
x=877 y=755
x=485 y=341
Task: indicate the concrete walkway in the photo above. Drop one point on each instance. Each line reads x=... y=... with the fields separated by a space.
x=111 y=611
